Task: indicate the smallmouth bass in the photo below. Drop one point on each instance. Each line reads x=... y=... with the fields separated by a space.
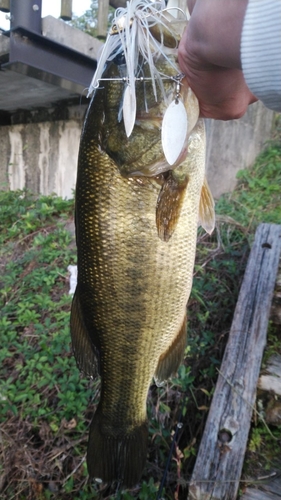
x=136 y=228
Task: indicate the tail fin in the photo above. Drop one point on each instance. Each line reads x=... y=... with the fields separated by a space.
x=116 y=458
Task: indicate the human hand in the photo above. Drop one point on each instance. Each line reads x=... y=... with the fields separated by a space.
x=209 y=56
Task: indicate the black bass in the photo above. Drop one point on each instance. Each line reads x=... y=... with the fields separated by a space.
x=136 y=228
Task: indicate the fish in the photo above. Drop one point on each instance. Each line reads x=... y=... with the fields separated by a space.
x=136 y=219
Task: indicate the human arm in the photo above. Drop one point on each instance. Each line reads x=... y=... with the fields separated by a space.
x=261 y=51
x=209 y=56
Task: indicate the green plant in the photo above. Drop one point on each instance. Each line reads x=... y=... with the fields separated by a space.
x=39 y=384
x=46 y=405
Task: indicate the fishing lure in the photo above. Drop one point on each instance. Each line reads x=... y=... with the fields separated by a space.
x=133 y=33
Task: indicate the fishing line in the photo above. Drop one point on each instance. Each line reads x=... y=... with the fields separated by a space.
x=174 y=442
x=118 y=491
x=159 y=493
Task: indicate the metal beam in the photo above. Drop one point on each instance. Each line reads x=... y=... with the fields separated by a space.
x=27 y=14
x=42 y=58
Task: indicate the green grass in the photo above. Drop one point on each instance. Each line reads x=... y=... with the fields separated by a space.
x=257 y=196
x=45 y=404
x=40 y=386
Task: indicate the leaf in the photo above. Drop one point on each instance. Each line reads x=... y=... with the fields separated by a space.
x=205 y=392
x=71 y=424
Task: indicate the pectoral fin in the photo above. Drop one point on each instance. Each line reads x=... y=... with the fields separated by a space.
x=207 y=209
x=83 y=349
x=169 y=206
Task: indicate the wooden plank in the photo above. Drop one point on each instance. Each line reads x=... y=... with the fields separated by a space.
x=220 y=458
x=275 y=314
x=268 y=491
x=251 y=494
x=273 y=365
x=270 y=383
x=272 y=380
x=66 y=10
x=274 y=486
x=103 y=10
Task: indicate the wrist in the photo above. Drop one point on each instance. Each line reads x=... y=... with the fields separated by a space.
x=215 y=30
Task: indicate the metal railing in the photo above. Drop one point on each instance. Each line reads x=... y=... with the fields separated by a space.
x=24 y=11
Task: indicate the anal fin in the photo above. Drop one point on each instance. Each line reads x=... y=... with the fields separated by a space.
x=171 y=359
x=83 y=349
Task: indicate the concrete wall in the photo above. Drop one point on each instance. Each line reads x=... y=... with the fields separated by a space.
x=40 y=156
x=234 y=145
x=43 y=156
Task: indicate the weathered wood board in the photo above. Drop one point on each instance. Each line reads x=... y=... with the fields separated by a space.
x=259 y=495
x=275 y=314
x=103 y=10
x=220 y=458
x=270 y=491
x=271 y=381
